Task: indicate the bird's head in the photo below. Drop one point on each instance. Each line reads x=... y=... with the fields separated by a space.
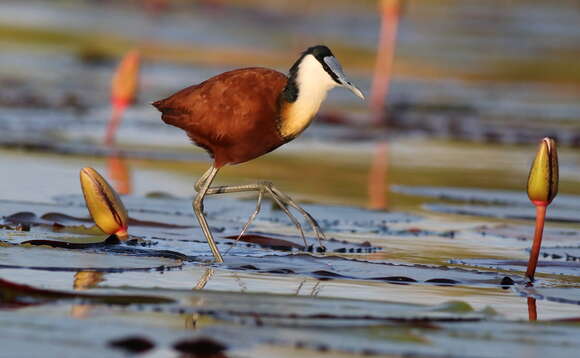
x=319 y=63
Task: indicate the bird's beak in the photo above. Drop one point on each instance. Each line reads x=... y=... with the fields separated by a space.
x=336 y=68
x=354 y=90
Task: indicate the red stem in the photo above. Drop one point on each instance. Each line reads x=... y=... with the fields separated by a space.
x=113 y=125
x=535 y=252
x=384 y=60
x=532 y=311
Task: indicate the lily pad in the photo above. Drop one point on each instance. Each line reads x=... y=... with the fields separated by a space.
x=563 y=236
x=547 y=267
x=555 y=214
x=554 y=294
x=565 y=253
x=485 y=196
x=71 y=260
x=326 y=268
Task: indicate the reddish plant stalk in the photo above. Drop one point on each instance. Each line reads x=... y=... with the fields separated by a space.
x=385 y=58
x=535 y=251
x=118 y=110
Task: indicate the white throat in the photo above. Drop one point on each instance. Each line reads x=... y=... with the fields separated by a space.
x=313 y=83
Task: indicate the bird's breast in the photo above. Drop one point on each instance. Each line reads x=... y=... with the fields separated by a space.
x=295 y=117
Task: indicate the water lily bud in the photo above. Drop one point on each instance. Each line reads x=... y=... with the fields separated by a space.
x=543 y=178
x=106 y=209
x=126 y=79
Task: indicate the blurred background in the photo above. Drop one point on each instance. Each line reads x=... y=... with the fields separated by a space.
x=459 y=92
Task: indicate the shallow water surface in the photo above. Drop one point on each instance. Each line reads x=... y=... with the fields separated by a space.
x=437 y=264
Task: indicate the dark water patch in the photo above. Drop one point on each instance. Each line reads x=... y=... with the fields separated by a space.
x=506 y=282
x=449 y=282
x=325 y=275
x=397 y=279
x=201 y=347
x=133 y=344
x=283 y=271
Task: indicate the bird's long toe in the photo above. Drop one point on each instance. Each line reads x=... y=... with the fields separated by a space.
x=313 y=223
x=282 y=203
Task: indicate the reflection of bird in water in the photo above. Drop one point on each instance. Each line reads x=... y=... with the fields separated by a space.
x=242 y=114
x=204 y=279
x=191 y=321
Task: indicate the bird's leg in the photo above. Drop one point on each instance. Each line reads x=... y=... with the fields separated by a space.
x=202 y=179
x=251 y=219
x=254 y=214
x=281 y=199
x=203 y=184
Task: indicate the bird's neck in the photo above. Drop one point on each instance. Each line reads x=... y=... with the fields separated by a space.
x=303 y=95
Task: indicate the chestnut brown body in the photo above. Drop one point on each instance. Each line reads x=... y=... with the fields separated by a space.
x=235 y=116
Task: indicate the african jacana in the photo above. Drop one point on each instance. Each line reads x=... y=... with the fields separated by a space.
x=242 y=114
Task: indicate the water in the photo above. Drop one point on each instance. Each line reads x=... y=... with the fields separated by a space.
x=436 y=270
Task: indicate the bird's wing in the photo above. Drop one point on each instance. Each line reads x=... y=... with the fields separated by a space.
x=227 y=106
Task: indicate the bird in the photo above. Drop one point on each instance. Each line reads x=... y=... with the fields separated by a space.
x=242 y=114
